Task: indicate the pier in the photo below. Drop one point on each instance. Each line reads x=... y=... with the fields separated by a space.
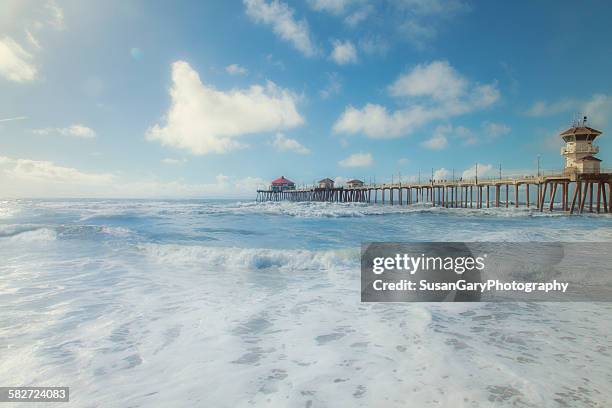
x=574 y=193
x=582 y=185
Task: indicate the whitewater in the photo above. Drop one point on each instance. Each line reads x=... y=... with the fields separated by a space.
x=225 y=303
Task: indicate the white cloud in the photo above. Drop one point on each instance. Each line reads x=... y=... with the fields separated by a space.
x=420 y=20
x=13 y=119
x=15 y=62
x=343 y=52
x=173 y=162
x=433 y=7
x=466 y=135
x=438 y=140
x=356 y=17
x=330 y=6
x=235 y=69
x=441 y=174
x=484 y=170
x=543 y=108
x=333 y=87
x=56 y=15
x=495 y=130
x=353 y=11
x=598 y=108
x=280 y=16
x=417 y=33
x=32 y=40
x=76 y=130
x=248 y=185
x=274 y=62
x=489 y=132
x=204 y=120
x=374 y=45
x=435 y=91
x=285 y=144
x=36 y=178
x=357 y=160
x=377 y=123
x=49 y=172
x=437 y=80
x=341 y=180
x=17 y=59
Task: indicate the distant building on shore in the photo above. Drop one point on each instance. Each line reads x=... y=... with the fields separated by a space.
x=579 y=150
x=281 y=184
x=326 y=183
x=354 y=183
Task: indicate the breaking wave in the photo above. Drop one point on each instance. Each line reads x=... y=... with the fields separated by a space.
x=34 y=235
x=251 y=258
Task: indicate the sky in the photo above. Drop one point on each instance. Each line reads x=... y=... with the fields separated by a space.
x=215 y=99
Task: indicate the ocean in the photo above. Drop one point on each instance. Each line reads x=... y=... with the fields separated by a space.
x=225 y=303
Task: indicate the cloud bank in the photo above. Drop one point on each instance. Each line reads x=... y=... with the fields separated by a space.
x=41 y=178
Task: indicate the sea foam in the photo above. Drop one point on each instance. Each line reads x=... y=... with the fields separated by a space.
x=130 y=304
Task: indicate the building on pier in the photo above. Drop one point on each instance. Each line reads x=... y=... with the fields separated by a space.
x=354 y=183
x=326 y=183
x=579 y=150
x=282 y=184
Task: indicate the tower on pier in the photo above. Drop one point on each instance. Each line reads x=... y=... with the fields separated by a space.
x=579 y=150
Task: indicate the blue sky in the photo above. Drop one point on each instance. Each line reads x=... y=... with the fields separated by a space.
x=213 y=99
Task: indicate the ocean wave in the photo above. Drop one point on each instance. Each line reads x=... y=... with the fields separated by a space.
x=345 y=263
x=12 y=230
x=338 y=210
x=541 y=233
x=37 y=232
x=33 y=235
x=128 y=210
x=251 y=258
x=115 y=231
x=7 y=210
x=324 y=209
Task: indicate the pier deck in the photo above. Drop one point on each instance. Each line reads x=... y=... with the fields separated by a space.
x=566 y=192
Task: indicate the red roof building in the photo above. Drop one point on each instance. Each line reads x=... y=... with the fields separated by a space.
x=282 y=183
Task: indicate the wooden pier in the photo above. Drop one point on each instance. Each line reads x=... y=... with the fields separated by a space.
x=573 y=193
x=581 y=181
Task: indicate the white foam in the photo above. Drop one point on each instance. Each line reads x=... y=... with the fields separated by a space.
x=251 y=258
x=156 y=325
x=334 y=210
x=36 y=235
x=7 y=209
x=243 y=326
x=116 y=231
